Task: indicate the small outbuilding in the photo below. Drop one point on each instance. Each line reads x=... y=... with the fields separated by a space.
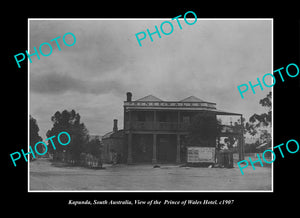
x=112 y=145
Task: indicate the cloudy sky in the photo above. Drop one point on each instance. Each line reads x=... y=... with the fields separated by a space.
x=208 y=60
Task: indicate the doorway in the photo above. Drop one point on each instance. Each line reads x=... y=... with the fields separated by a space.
x=142 y=148
x=166 y=148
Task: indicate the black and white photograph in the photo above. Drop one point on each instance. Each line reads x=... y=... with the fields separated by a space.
x=150 y=105
x=113 y=109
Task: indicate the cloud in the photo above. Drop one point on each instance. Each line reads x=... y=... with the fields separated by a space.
x=208 y=60
x=53 y=83
x=57 y=83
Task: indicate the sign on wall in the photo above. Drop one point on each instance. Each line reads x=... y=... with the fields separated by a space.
x=200 y=154
x=171 y=104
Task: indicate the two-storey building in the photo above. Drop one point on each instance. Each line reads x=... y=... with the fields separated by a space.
x=156 y=130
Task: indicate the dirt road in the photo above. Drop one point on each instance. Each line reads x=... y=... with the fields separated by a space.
x=45 y=176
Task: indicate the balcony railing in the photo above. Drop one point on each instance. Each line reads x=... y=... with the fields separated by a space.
x=149 y=125
x=172 y=126
x=229 y=129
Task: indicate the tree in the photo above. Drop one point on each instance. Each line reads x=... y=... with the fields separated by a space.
x=93 y=147
x=68 y=121
x=256 y=121
x=34 y=134
x=202 y=130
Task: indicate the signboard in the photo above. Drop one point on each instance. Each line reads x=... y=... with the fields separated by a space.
x=200 y=154
x=171 y=104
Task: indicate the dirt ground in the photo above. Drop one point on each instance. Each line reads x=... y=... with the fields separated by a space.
x=45 y=176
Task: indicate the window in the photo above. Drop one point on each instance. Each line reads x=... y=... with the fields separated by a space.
x=162 y=117
x=185 y=119
x=141 y=116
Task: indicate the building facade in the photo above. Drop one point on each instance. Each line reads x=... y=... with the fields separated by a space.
x=113 y=145
x=155 y=131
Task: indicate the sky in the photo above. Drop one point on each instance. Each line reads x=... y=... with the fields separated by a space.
x=208 y=60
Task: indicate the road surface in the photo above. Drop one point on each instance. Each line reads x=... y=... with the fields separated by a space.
x=46 y=176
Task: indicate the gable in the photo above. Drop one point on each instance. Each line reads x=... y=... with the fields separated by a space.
x=192 y=99
x=149 y=98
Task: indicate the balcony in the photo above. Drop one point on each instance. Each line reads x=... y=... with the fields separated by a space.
x=173 y=126
x=162 y=126
x=229 y=129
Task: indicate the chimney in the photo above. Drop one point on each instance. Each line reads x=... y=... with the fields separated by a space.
x=115 y=129
x=129 y=96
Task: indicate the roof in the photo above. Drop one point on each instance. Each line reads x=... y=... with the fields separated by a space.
x=192 y=99
x=153 y=103
x=264 y=145
x=153 y=98
x=149 y=98
x=191 y=103
x=112 y=134
x=221 y=112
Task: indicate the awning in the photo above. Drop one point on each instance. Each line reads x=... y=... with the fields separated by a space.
x=220 y=112
x=262 y=145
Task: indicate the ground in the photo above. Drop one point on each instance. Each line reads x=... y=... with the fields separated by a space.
x=44 y=175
